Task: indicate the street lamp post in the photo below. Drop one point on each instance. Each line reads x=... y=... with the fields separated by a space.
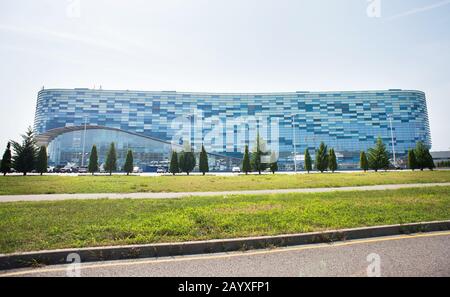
x=293 y=142
x=392 y=139
x=191 y=118
x=84 y=141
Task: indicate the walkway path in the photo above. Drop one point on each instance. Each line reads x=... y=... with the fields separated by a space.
x=55 y=197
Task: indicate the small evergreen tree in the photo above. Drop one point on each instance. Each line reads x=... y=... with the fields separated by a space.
x=430 y=162
x=412 y=163
x=322 y=158
x=273 y=163
x=257 y=160
x=423 y=156
x=332 y=162
x=111 y=159
x=6 y=164
x=378 y=156
x=181 y=161
x=187 y=161
x=41 y=162
x=174 y=168
x=246 y=161
x=93 y=160
x=203 y=163
x=308 y=161
x=363 y=162
x=25 y=153
x=190 y=162
x=128 y=167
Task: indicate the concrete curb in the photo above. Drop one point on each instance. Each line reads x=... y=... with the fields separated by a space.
x=54 y=257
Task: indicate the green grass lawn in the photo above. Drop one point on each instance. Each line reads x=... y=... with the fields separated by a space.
x=12 y=185
x=26 y=226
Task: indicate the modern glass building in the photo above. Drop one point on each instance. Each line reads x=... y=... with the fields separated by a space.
x=153 y=124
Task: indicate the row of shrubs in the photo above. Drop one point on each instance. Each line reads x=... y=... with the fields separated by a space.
x=377 y=158
x=28 y=157
x=443 y=164
x=185 y=161
x=110 y=162
x=420 y=157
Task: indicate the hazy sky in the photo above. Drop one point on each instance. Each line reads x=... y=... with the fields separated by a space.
x=223 y=45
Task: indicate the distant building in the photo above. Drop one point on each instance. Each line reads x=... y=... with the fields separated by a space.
x=440 y=156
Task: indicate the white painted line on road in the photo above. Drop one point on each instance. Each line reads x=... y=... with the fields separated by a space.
x=230 y=255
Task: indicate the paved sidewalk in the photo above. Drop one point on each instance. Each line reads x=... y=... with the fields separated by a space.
x=55 y=197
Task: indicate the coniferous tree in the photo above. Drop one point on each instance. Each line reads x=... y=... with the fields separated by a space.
x=378 y=156
x=332 y=162
x=111 y=159
x=412 y=162
x=190 y=162
x=203 y=162
x=246 y=161
x=258 y=162
x=42 y=162
x=363 y=162
x=308 y=161
x=187 y=159
x=181 y=161
x=423 y=156
x=273 y=163
x=322 y=158
x=128 y=167
x=187 y=162
x=25 y=153
x=174 y=168
x=6 y=164
x=93 y=160
x=430 y=161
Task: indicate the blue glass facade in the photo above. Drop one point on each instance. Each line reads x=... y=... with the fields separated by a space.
x=348 y=121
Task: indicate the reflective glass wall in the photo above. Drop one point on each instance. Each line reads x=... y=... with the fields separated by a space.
x=148 y=154
x=225 y=123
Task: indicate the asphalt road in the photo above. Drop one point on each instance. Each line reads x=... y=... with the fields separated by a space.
x=426 y=254
x=56 y=197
